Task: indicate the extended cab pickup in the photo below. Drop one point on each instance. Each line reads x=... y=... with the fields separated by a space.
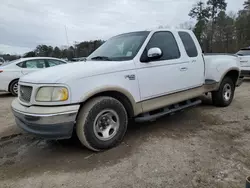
x=140 y=75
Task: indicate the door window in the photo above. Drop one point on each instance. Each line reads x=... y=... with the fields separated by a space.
x=53 y=62
x=189 y=44
x=35 y=64
x=166 y=42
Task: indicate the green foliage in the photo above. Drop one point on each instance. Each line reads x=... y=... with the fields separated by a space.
x=215 y=6
x=82 y=49
x=247 y=5
x=57 y=52
x=9 y=57
x=201 y=13
x=218 y=31
x=30 y=54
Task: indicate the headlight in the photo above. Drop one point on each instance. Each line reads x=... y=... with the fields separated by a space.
x=52 y=94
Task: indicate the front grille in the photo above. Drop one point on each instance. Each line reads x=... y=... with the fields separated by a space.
x=25 y=93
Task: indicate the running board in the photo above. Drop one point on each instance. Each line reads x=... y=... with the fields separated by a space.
x=150 y=116
x=210 y=82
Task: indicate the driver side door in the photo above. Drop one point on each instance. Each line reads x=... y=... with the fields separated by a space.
x=165 y=75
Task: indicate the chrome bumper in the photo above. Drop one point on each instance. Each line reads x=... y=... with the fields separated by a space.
x=49 y=123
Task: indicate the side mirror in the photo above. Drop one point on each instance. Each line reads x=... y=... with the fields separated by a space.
x=154 y=53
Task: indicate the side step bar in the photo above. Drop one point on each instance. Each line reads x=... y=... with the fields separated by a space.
x=149 y=116
x=210 y=82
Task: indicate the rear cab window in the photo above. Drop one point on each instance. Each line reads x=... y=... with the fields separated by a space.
x=188 y=43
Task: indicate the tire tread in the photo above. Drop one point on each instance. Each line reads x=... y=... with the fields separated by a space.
x=83 y=118
x=217 y=96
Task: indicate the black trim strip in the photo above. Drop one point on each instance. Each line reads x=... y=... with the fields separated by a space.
x=166 y=94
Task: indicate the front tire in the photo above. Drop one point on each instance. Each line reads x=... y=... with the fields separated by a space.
x=101 y=123
x=224 y=96
x=14 y=88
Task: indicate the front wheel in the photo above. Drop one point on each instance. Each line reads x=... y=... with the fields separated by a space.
x=101 y=123
x=224 y=96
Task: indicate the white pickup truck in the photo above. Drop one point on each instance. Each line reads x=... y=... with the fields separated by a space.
x=140 y=75
x=244 y=56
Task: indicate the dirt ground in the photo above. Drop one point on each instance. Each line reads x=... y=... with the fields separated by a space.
x=201 y=147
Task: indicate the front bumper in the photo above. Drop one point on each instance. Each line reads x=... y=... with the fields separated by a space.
x=46 y=122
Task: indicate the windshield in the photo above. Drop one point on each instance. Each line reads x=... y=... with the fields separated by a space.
x=244 y=52
x=120 y=48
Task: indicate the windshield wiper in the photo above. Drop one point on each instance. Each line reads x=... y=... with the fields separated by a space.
x=101 y=58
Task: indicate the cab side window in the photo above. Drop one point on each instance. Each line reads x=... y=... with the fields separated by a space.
x=166 y=42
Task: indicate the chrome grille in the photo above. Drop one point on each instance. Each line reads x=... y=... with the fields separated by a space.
x=25 y=93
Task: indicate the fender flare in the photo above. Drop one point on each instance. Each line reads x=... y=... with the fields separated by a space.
x=231 y=69
x=137 y=108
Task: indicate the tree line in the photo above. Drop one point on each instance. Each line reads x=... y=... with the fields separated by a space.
x=216 y=30
x=82 y=49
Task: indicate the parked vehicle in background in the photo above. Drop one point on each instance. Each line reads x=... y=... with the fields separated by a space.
x=78 y=59
x=141 y=75
x=244 y=55
x=2 y=61
x=11 y=71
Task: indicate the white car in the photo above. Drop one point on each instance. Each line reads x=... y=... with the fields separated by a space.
x=11 y=71
x=142 y=75
x=244 y=55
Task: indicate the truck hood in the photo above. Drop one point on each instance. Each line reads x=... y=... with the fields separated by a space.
x=78 y=70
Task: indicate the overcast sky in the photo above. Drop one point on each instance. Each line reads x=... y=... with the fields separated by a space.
x=26 y=23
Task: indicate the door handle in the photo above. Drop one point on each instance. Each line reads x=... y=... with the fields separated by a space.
x=183 y=68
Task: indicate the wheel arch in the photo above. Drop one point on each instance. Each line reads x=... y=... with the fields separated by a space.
x=11 y=83
x=233 y=74
x=121 y=95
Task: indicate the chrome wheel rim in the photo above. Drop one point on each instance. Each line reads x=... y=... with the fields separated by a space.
x=227 y=92
x=106 y=124
x=15 y=88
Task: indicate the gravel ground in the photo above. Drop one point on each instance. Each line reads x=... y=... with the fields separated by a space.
x=203 y=147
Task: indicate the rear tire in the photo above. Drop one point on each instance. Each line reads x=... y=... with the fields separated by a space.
x=14 y=88
x=225 y=94
x=101 y=123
